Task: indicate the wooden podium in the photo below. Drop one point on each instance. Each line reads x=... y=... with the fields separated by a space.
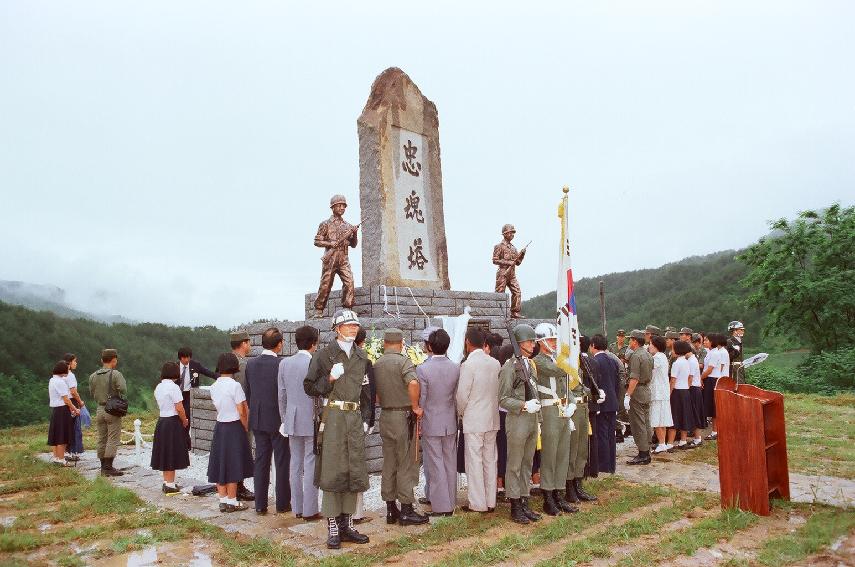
x=752 y=446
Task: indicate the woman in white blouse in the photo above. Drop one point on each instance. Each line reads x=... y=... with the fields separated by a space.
x=660 y=394
x=62 y=413
x=169 y=450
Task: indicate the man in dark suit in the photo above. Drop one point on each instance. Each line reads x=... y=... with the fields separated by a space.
x=608 y=380
x=189 y=371
x=262 y=394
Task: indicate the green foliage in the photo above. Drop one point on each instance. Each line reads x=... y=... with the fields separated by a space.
x=832 y=368
x=780 y=380
x=32 y=341
x=802 y=276
x=701 y=292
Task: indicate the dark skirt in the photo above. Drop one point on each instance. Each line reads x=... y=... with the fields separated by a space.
x=169 y=451
x=61 y=430
x=230 y=459
x=696 y=397
x=681 y=410
x=709 y=396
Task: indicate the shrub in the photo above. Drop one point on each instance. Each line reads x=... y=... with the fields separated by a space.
x=832 y=368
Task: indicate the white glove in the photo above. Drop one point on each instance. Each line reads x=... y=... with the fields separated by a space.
x=370 y=430
x=602 y=397
x=364 y=427
x=282 y=430
x=569 y=410
x=572 y=426
x=532 y=406
x=337 y=370
x=626 y=402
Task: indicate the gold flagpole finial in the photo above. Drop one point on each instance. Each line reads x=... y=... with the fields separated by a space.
x=566 y=189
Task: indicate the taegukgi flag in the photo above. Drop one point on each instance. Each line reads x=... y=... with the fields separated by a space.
x=568 y=323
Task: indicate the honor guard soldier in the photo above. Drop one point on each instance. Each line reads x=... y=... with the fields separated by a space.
x=104 y=383
x=335 y=234
x=552 y=385
x=506 y=257
x=518 y=395
x=734 y=347
x=339 y=372
x=398 y=395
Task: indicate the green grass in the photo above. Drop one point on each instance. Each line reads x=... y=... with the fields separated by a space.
x=687 y=541
x=598 y=545
x=628 y=497
x=789 y=360
x=820 y=530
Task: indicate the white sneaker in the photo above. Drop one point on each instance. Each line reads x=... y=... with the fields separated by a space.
x=660 y=448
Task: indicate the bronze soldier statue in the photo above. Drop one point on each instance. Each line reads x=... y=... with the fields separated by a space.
x=506 y=257
x=335 y=235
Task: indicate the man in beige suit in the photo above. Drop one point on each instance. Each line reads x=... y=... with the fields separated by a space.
x=478 y=406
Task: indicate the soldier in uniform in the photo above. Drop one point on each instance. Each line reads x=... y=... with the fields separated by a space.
x=506 y=257
x=587 y=394
x=239 y=342
x=620 y=349
x=619 y=346
x=339 y=372
x=649 y=331
x=335 y=235
x=734 y=346
x=398 y=393
x=518 y=395
x=637 y=400
x=552 y=385
x=670 y=337
x=103 y=383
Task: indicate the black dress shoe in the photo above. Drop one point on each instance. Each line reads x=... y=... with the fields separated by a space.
x=262 y=512
x=312 y=518
x=245 y=494
x=392 y=512
x=490 y=510
x=298 y=515
x=409 y=516
x=639 y=460
x=169 y=490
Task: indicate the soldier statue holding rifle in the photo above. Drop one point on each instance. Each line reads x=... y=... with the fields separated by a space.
x=506 y=257
x=335 y=235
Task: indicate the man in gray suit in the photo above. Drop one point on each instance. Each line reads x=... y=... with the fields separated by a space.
x=478 y=406
x=438 y=385
x=296 y=410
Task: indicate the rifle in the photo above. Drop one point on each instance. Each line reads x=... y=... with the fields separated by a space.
x=340 y=242
x=530 y=391
x=520 y=254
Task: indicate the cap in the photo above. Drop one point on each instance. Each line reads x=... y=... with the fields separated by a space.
x=109 y=353
x=508 y=228
x=672 y=335
x=393 y=335
x=637 y=334
x=621 y=333
x=653 y=330
x=338 y=199
x=228 y=363
x=696 y=337
x=344 y=317
x=170 y=371
x=238 y=336
x=686 y=331
x=426 y=332
x=669 y=328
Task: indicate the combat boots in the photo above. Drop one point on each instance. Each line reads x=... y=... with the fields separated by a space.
x=583 y=495
x=333 y=539
x=108 y=470
x=409 y=516
x=392 y=512
x=517 y=514
x=570 y=492
x=347 y=532
x=563 y=504
x=550 y=506
x=529 y=513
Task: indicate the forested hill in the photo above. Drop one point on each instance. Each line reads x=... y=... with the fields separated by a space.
x=701 y=292
x=32 y=341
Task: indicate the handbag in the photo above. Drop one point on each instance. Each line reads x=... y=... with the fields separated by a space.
x=115 y=405
x=85 y=417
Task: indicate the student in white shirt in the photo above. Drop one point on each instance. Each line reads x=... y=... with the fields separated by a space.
x=681 y=407
x=717 y=364
x=75 y=448
x=169 y=450
x=63 y=411
x=230 y=459
x=696 y=397
x=660 y=394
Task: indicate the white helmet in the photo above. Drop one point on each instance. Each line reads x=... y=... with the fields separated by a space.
x=735 y=325
x=545 y=331
x=344 y=317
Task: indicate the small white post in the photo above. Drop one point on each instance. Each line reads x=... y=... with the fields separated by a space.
x=138 y=440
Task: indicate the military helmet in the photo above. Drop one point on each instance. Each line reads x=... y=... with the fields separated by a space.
x=672 y=335
x=545 y=331
x=653 y=330
x=733 y=325
x=686 y=331
x=344 y=317
x=337 y=199
x=524 y=332
x=508 y=228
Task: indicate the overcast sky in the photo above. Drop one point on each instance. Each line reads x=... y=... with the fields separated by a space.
x=170 y=161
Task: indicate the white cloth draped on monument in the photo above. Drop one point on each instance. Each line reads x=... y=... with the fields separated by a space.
x=456 y=329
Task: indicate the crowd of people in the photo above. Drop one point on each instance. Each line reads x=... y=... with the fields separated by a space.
x=508 y=416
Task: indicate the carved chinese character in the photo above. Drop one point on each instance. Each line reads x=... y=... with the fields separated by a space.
x=411 y=166
x=416 y=257
x=412 y=210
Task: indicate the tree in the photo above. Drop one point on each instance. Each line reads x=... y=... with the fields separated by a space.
x=803 y=275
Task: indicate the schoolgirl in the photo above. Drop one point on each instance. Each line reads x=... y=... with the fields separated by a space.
x=696 y=397
x=75 y=447
x=169 y=450
x=681 y=405
x=230 y=460
x=660 y=394
x=61 y=429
